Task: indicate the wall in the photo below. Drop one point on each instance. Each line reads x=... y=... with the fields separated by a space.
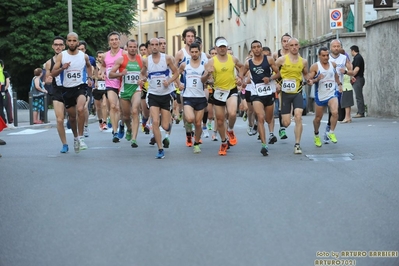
x=382 y=79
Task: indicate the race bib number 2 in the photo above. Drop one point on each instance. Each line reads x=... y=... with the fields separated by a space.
x=289 y=85
x=221 y=95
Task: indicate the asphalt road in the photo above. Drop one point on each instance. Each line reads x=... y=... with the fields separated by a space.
x=115 y=205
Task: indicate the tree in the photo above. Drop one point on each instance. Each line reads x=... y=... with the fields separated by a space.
x=27 y=28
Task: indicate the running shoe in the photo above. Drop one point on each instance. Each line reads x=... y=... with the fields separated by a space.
x=205 y=133
x=76 y=145
x=223 y=149
x=115 y=138
x=133 y=143
x=209 y=125
x=214 y=136
x=68 y=125
x=297 y=149
x=249 y=131
x=282 y=133
x=160 y=154
x=109 y=122
x=272 y=139
x=128 y=135
x=264 y=150
x=196 y=149
x=326 y=140
x=332 y=137
x=86 y=131
x=232 y=138
x=147 y=130
x=317 y=141
x=100 y=126
x=244 y=117
x=189 y=141
x=166 y=143
x=65 y=148
x=152 y=140
x=83 y=145
x=105 y=126
x=121 y=131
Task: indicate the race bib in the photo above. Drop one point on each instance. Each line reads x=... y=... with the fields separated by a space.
x=192 y=81
x=289 y=85
x=101 y=85
x=221 y=95
x=157 y=81
x=132 y=77
x=73 y=75
x=264 y=89
x=327 y=85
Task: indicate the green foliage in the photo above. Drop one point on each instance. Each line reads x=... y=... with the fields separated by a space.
x=27 y=28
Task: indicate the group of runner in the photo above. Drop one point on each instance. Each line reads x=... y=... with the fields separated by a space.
x=143 y=81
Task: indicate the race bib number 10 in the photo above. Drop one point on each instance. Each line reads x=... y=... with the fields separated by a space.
x=221 y=95
x=289 y=85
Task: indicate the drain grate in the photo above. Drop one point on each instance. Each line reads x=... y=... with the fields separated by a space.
x=330 y=157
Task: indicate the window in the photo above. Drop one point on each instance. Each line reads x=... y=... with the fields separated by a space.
x=199 y=31
x=145 y=37
x=262 y=2
x=210 y=34
x=145 y=5
x=155 y=34
x=176 y=43
x=253 y=4
x=136 y=37
x=244 y=6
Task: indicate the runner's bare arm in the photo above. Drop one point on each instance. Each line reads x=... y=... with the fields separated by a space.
x=112 y=74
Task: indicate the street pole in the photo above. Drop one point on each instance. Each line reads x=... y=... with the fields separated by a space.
x=70 y=23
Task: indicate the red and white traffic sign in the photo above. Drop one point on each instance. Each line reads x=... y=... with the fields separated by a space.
x=336 y=21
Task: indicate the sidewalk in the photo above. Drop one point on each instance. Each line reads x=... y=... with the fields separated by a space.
x=23 y=120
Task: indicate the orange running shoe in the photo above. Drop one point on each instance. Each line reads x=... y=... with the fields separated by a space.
x=189 y=141
x=232 y=138
x=223 y=149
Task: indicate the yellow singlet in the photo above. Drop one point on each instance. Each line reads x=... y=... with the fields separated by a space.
x=223 y=75
x=291 y=73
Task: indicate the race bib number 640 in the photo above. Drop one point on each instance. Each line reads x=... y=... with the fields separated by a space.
x=289 y=85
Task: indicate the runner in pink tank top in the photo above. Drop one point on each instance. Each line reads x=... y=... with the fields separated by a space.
x=109 y=63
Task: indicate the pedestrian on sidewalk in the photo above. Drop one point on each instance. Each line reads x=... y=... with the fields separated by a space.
x=38 y=91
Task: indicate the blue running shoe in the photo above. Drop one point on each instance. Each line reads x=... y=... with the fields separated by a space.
x=68 y=125
x=115 y=138
x=160 y=154
x=109 y=125
x=65 y=148
x=121 y=131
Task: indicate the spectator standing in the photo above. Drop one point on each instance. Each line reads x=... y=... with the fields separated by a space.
x=38 y=91
x=358 y=79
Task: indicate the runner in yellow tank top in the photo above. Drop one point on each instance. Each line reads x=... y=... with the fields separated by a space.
x=293 y=70
x=221 y=74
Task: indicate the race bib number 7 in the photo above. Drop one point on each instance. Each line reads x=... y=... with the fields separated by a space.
x=289 y=85
x=221 y=95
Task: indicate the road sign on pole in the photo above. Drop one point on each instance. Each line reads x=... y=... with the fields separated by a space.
x=336 y=20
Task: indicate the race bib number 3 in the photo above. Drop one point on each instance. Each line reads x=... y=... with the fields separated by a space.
x=221 y=95
x=289 y=85
x=264 y=89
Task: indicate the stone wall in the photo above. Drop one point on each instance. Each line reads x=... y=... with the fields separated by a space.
x=382 y=79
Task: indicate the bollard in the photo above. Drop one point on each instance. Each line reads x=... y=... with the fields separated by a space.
x=30 y=108
x=45 y=115
x=15 y=108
